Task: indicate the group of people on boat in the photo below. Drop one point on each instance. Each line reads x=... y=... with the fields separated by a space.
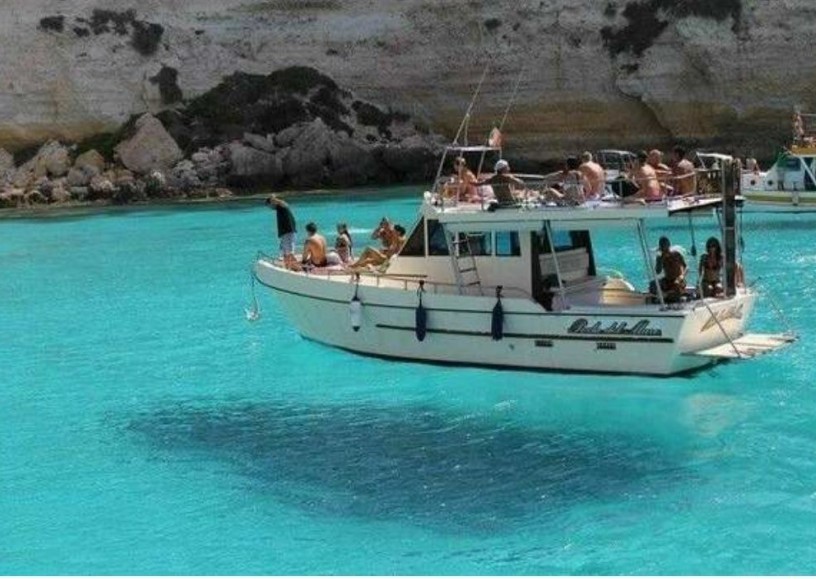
x=316 y=251
x=582 y=179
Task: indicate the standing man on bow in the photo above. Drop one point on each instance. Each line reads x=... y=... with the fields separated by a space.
x=286 y=229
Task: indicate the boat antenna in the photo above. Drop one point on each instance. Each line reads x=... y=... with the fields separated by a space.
x=512 y=98
x=464 y=124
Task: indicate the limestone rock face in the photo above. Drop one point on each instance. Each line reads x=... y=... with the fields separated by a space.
x=621 y=73
x=6 y=162
x=150 y=148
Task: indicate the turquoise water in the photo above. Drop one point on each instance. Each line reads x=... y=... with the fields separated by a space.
x=147 y=427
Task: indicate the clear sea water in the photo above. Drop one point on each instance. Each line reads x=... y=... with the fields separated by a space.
x=146 y=427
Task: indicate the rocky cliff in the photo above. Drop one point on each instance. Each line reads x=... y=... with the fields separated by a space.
x=596 y=73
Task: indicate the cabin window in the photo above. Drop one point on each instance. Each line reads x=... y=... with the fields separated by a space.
x=437 y=244
x=564 y=240
x=507 y=244
x=415 y=246
x=792 y=163
x=480 y=243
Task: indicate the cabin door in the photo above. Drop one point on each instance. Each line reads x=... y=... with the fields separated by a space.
x=542 y=286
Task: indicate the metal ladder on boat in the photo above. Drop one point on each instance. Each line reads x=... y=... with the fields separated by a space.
x=464 y=263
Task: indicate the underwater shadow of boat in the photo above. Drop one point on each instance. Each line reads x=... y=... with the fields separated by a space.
x=418 y=465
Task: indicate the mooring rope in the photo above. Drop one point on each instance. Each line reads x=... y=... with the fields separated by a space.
x=253 y=314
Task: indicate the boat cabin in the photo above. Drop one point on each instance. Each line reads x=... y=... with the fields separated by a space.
x=549 y=260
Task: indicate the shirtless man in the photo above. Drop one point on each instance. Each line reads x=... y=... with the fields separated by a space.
x=594 y=175
x=663 y=171
x=314 y=249
x=503 y=183
x=645 y=177
x=683 y=173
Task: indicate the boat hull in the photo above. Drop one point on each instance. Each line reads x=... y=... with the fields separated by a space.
x=643 y=340
x=779 y=201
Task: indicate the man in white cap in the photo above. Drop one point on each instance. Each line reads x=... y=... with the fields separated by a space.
x=503 y=183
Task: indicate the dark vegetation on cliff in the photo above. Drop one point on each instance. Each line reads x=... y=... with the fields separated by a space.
x=53 y=23
x=252 y=103
x=646 y=21
x=145 y=37
x=167 y=79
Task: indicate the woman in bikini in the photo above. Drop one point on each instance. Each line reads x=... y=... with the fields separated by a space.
x=343 y=244
x=711 y=264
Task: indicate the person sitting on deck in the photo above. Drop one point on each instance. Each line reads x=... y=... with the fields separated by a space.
x=503 y=183
x=683 y=173
x=574 y=185
x=594 y=174
x=392 y=238
x=672 y=265
x=314 y=249
x=645 y=177
x=466 y=182
x=711 y=263
x=343 y=245
x=663 y=171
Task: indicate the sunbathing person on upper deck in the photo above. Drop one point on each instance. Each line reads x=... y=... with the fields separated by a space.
x=594 y=174
x=655 y=160
x=503 y=184
x=465 y=185
x=683 y=173
x=573 y=185
x=645 y=177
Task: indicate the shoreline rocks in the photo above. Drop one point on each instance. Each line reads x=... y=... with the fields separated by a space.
x=294 y=128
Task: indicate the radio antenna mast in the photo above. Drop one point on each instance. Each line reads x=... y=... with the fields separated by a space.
x=512 y=98
x=463 y=126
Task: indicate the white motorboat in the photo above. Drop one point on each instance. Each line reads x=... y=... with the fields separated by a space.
x=516 y=285
x=789 y=185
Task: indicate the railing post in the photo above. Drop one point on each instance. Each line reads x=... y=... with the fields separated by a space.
x=730 y=183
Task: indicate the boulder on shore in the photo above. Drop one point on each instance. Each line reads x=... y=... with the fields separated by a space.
x=250 y=164
x=90 y=159
x=150 y=148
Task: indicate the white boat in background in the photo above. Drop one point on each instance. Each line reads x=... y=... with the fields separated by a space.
x=789 y=185
x=516 y=285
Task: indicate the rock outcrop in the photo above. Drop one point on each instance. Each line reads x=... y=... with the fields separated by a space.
x=151 y=147
x=711 y=73
x=292 y=128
